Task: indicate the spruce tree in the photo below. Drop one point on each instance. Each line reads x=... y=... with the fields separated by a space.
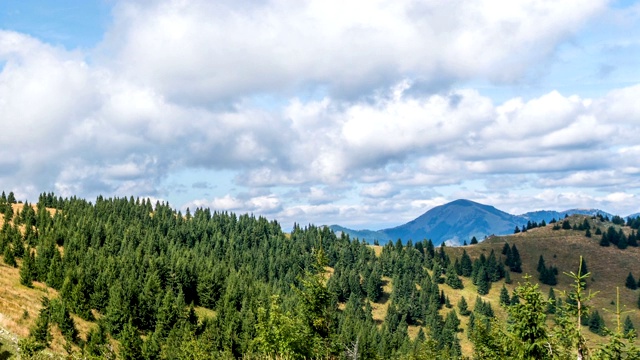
x=541 y=266
x=483 y=282
x=474 y=241
x=26 y=271
x=631 y=283
x=507 y=277
x=452 y=278
x=629 y=329
x=504 y=296
x=551 y=305
x=633 y=239
x=596 y=323
x=466 y=266
x=40 y=330
x=463 y=307
x=9 y=259
x=516 y=262
x=130 y=343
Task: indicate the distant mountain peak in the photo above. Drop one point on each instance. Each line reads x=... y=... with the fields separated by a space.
x=459 y=221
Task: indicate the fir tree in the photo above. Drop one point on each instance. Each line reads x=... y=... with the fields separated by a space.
x=483 y=282
x=507 y=277
x=541 y=266
x=629 y=329
x=463 y=307
x=466 y=266
x=596 y=323
x=504 y=296
x=474 y=241
x=40 y=331
x=630 y=283
x=551 y=305
x=130 y=343
x=516 y=262
x=9 y=259
x=27 y=270
x=452 y=278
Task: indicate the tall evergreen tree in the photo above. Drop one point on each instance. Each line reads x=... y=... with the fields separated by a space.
x=466 y=265
x=483 y=282
x=463 y=307
x=27 y=270
x=130 y=343
x=629 y=330
x=516 y=262
x=631 y=283
x=40 y=331
x=504 y=296
x=551 y=305
x=452 y=278
x=9 y=259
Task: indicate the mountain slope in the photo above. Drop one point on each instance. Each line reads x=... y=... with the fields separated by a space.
x=459 y=221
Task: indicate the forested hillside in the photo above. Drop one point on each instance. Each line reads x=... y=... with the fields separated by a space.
x=126 y=278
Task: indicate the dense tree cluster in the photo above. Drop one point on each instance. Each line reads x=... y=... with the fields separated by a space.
x=142 y=271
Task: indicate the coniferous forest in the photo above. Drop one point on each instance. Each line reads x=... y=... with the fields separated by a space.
x=160 y=284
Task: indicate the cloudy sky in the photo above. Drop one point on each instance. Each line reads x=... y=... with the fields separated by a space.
x=363 y=113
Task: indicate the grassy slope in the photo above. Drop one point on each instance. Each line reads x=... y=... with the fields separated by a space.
x=609 y=267
x=20 y=305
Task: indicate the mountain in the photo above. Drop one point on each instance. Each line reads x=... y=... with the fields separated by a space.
x=368 y=235
x=459 y=221
x=547 y=215
x=456 y=222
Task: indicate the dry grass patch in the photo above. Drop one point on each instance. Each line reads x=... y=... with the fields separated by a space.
x=379 y=309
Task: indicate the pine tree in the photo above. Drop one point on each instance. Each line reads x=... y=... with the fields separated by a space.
x=596 y=323
x=27 y=270
x=373 y=285
x=474 y=241
x=452 y=278
x=507 y=277
x=9 y=259
x=483 y=282
x=463 y=307
x=504 y=296
x=516 y=262
x=551 y=305
x=633 y=239
x=629 y=329
x=528 y=323
x=40 y=331
x=466 y=266
x=541 y=266
x=130 y=343
x=631 y=282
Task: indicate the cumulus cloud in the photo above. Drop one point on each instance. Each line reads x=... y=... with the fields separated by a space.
x=348 y=131
x=199 y=51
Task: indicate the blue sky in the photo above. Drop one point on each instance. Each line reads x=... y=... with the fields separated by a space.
x=364 y=113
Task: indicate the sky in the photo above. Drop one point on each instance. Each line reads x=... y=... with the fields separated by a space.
x=363 y=113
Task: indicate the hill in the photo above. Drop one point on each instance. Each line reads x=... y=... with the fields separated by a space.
x=135 y=279
x=459 y=221
x=608 y=266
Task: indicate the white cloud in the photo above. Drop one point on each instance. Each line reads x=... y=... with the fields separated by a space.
x=368 y=115
x=199 y=51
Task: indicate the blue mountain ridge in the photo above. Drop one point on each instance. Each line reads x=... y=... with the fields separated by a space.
x=459 y=221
